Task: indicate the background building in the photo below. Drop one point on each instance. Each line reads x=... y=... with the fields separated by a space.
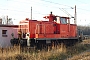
x=5 y=34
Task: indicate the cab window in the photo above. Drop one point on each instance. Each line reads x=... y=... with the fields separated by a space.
x=63 y=20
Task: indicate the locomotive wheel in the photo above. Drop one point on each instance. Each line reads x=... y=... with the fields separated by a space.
x=14 y=41
x=23 y=42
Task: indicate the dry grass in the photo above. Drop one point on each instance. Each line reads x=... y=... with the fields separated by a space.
x=15 y=53
x=80 y=51
x=81 y=56
x=61 y=53
x=8 y=52
x=74 y=52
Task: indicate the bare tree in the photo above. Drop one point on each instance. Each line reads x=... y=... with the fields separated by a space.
x=7 y=20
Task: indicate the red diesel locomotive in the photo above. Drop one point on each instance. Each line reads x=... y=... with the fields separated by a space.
x=47 y=33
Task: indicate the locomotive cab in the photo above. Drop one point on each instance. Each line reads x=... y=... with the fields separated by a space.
x=58 y=19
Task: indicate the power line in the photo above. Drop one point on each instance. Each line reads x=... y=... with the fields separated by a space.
x=81 y=1
x=83 y=9
x=65 y=5
x=29 y=3
x=44 y=3
x=36 y=12
x=55 y=3
x=23 y=11
x=65 y=12
x=50 y=2
x=41 y=3
x=84 y=3
x=34 y=4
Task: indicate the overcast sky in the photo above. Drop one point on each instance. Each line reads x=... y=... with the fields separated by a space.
x=21 y=9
